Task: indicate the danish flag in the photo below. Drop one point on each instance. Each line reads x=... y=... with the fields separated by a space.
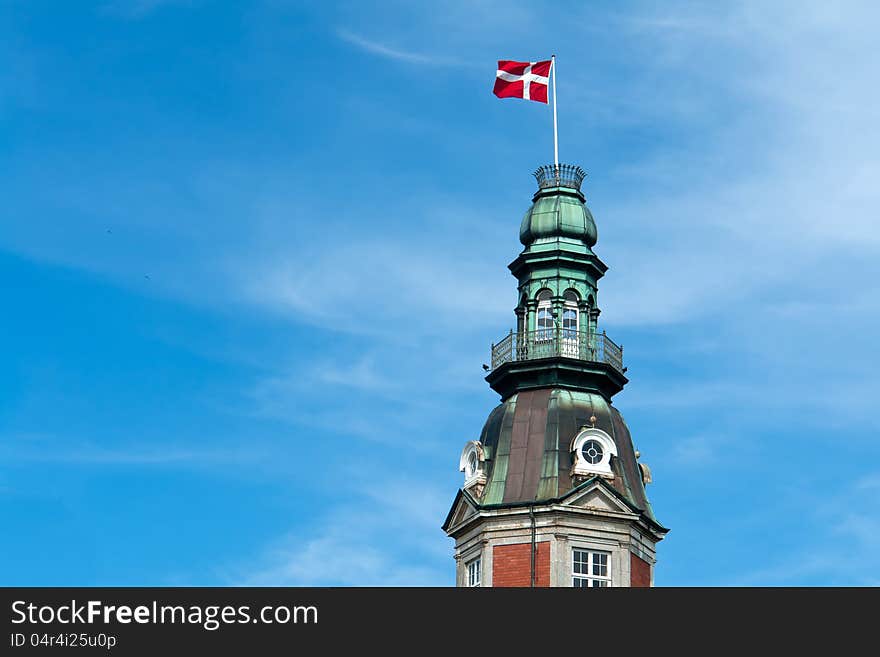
x=527 y=80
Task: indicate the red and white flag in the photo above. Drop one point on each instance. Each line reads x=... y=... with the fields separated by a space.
x=528 y=80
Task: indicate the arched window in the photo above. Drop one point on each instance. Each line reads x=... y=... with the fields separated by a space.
x=592 y=450
x=570 y=324
x=570 y=315
x=544 y=320
x=473 y=466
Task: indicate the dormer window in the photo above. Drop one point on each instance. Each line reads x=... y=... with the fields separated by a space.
x=470 y=468
x=472 y=464
x=592 y=450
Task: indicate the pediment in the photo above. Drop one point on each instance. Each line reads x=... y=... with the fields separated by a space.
x=597 y=498
x=462 y=510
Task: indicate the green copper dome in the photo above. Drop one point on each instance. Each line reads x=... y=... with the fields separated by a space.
x=527 y=442
x=558 y=208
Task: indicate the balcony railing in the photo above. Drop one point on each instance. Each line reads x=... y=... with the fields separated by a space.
x=548 y=343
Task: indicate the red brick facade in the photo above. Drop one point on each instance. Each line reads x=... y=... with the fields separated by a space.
x=640 y=572
x=511 y=564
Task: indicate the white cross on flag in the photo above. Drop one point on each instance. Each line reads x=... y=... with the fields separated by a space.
x=527 y=80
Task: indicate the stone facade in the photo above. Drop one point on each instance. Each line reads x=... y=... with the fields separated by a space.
x=591 y=518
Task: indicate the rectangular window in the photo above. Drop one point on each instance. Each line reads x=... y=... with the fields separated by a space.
x=474 y=572
x=570 y=332
x=590 y=568
x=570 y=322
x=545 y=324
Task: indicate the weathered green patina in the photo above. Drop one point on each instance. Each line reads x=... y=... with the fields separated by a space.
x=558 y=265
x=527 y=443
x=555 y=462
x=558 y=212
x=553 y=382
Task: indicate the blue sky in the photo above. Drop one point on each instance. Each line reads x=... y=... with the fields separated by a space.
x=255 y=253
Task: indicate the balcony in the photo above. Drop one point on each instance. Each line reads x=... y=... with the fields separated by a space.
x=552 y=343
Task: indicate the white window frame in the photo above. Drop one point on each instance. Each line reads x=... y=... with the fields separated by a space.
x=570 y=341
x=590 y=579
x=545 y=305
x=580 y=465
x=472 y=476
x=570 y=332
x=570 y=302
x=570 y=310
x=473 y=572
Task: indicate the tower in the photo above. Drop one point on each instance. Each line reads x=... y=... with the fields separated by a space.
x=553 y=493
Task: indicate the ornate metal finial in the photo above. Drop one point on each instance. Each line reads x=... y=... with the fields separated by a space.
x=593 y=420
x=563 y=175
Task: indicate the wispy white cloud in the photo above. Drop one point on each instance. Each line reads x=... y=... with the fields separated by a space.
x=47 y=449
x=478 y=33
x=362 y=374
x=369 y=398
x=782 y=173
x=383 y=50
x=847 y=400
x=751 y=220
x=842 y=549
x=382 y=288
x=701 y=450
x=386 y=535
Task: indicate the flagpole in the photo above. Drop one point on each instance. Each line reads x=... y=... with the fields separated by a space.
x=555 y=133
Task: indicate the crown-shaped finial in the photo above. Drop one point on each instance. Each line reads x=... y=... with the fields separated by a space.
x=560 y=175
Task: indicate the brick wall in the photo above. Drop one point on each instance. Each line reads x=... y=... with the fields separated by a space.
x=511 y=565
x=640 y=572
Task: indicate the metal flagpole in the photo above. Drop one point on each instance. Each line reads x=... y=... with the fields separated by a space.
x=555 y=133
